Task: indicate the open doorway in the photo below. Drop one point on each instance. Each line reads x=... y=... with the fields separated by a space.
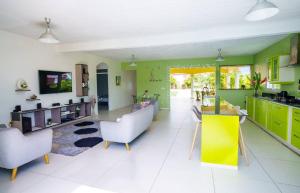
x=192 y=83
x=130 y=80
x=102 y=87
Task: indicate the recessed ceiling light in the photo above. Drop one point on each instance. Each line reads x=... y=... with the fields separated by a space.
x=48 y=37
x=263 y=9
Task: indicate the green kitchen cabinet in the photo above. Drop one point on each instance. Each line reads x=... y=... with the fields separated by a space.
x=295 y=138
x=273 y=68
x=279 y=122
x=279 y=73
x=250 y=106
x=261 y=112
x=269 y=116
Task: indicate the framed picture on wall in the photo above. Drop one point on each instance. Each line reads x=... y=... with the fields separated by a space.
x=118 y=80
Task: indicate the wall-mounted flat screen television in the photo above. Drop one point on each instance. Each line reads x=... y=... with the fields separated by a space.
x=55 y=82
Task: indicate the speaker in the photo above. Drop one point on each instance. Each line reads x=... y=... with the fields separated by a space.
x=39 y=105
x=26 y=124
x=82 y=100
x=17 y=108
x=70 y=101
x=55 y=104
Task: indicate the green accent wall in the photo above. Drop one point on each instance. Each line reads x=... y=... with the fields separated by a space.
x=154 y=77
x=282 y=47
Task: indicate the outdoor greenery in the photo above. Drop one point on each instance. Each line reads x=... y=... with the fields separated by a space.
x=235 y=77
x=200 y=81
x=207 y=79
x=187 y=83
x=173 y=82
x=231 y=77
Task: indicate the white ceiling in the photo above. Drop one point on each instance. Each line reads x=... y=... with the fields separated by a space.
x=180 y=27
x=247 y=46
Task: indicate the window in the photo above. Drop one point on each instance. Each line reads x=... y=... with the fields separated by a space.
x=235 y=77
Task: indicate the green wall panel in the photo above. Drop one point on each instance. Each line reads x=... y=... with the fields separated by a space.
x=236 y=97
x=280 y=48
x=154 y=77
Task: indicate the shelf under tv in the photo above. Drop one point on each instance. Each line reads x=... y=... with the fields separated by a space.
x=52 y=125
x=39 y=117
x=36 y=128
x=66 y=120
x=65 y=113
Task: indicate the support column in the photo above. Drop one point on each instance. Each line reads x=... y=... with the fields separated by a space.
x=218 y=77
x=192 y=86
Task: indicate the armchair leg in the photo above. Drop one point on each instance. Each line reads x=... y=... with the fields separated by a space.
x=106 y=144
x=127 y=146
x=46 y=159
x=13 y=174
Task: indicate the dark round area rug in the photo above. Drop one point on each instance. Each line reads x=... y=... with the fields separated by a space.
x=85 y=123
x=88 y=142
x=85 y=131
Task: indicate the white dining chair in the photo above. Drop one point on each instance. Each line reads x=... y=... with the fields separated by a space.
x=197 y=117
x=242 y=117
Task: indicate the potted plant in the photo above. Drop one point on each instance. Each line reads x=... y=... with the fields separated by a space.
x=257 y=82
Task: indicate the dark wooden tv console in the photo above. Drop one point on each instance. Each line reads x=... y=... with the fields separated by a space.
x=36 y=119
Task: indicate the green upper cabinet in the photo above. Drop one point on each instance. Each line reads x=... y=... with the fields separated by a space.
x=250 y=106
x=279 y=123
x=261 y=112
x=273 y=69
x=295 y=139
x=279 y=73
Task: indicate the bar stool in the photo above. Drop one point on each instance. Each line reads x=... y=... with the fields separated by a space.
x=197 y=117
x=242 y=117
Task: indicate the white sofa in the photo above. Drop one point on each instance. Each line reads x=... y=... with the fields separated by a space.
x=128 y=127
x=153 y=102
x=17 y=149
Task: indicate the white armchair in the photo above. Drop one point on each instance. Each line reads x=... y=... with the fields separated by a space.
x=17 y=149
x=128 y=127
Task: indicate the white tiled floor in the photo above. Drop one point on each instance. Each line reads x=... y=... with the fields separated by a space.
x=158 y=163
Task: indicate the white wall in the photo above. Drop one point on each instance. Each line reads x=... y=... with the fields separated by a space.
x=119 y=96
x=22 y=57
x=130 y=76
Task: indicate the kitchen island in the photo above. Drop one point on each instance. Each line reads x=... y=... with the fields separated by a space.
x=220 y=133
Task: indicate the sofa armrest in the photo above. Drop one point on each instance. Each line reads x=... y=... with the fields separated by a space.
x=110 y=130
x=18 y=149
x=39 y=139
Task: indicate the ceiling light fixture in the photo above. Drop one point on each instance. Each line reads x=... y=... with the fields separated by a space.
x=48 y=37
x=263 y=9
x=132 y=62
x=220 y=58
